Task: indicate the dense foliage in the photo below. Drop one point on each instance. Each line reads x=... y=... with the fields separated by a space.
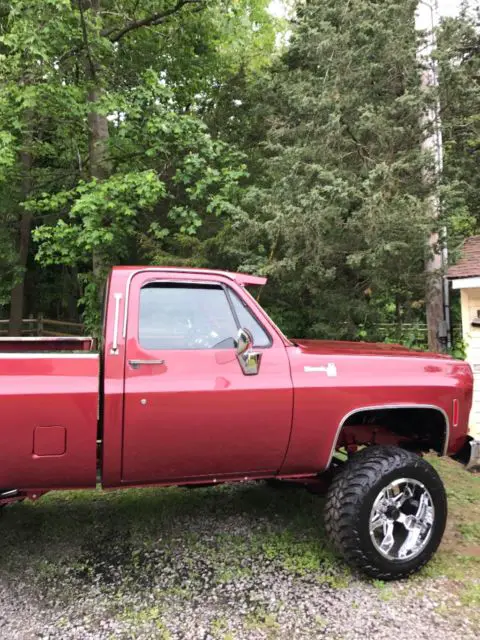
x=459 y=62
x=339 y=219
x=107 y=157
x=209 y=133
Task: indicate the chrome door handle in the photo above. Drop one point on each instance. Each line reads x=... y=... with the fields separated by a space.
x=138 y=363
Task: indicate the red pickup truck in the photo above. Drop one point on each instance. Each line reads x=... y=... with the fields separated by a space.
x=194 y=384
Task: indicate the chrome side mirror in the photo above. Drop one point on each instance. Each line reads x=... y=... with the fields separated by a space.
x=249 y=360
x=244 y=341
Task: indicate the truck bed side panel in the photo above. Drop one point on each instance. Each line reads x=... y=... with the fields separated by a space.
x=48 y=420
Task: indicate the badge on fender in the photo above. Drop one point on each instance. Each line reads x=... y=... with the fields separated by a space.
x=330 y=370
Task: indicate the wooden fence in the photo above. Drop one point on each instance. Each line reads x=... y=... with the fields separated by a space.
x=414 y=334
x=40 y=326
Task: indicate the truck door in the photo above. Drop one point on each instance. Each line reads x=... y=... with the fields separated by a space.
x=189 y=410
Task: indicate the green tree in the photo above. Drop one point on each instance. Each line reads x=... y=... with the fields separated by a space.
x=337 y=215
x=459 y=63
x=106 y=152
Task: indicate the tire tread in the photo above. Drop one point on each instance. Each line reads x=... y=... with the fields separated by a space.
x=345 y=497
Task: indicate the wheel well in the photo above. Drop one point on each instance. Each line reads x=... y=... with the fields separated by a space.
x=416 y=428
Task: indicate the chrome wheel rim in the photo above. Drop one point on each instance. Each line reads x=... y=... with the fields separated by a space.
x=401 y=519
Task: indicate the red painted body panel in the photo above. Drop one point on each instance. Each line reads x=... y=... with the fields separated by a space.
x=240 y=278
x=46 y=390
x=396 y=377
x=113 y=380
x=202 y=417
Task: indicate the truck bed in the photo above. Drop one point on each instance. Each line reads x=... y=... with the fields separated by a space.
x=48 y=413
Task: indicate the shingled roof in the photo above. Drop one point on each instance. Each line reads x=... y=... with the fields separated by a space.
x=469 y=264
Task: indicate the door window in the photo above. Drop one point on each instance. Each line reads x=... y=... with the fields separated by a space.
x=185 y=316
x=248 y=321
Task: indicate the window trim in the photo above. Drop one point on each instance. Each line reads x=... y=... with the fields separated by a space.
x=229 y=291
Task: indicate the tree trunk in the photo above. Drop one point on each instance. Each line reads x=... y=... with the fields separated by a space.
x=98 y=138
x=17 y=296
x=434 y=299
x=97 y=123
x=427 y=19
x=100 y=166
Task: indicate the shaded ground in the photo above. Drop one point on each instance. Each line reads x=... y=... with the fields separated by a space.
x=245 y=561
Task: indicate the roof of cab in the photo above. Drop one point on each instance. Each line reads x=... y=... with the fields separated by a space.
x=240 y=278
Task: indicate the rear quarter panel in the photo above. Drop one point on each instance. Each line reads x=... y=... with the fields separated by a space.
x=37 y=392
x=321 y=403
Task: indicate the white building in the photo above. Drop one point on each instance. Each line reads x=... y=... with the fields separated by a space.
x=465 y=276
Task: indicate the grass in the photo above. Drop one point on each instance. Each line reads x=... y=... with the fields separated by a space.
x=457 y=562
x=128 y=538
x=219 y=628
x=263 y=621
x=459 y=554
x=470 y=532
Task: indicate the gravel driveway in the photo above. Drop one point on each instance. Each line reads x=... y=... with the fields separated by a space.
x=246 y=561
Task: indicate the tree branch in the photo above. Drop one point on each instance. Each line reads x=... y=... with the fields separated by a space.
x=114 y=34
x=151 y=21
